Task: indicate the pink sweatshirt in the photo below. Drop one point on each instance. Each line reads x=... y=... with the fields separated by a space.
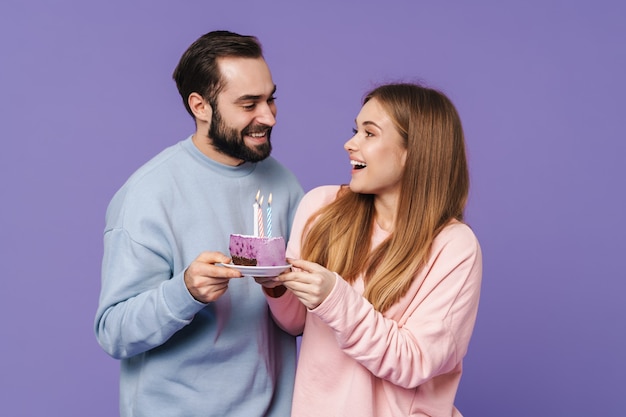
x=355 y=361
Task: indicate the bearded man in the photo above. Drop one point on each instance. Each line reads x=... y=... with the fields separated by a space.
x=195 y=338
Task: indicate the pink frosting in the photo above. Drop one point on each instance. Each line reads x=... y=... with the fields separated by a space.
x=268 y=251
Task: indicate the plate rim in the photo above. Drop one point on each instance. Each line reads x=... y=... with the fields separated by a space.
x=250 y=270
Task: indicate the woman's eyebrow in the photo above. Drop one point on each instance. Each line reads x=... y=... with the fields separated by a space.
x=369 y=123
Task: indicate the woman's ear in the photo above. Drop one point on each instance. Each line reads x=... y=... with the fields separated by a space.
x=201 y=110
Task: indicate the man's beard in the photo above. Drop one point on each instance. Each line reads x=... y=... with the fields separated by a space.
x=230 y=142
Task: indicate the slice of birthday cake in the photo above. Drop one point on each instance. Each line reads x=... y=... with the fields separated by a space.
x=257 y=251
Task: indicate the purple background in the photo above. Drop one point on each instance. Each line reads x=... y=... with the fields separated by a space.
x=86 y=97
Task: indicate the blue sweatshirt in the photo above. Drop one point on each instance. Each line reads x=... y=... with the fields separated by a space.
x=180 y=357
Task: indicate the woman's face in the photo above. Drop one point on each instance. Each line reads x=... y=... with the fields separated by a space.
x=377 y=152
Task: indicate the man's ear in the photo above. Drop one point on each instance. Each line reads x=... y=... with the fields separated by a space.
x=200 y=108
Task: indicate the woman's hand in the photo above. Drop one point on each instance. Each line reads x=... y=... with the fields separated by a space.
x=308 y=281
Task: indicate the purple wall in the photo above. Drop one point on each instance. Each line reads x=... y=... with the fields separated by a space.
x=86 y=97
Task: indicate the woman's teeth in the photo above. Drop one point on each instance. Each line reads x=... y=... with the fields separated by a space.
x=358 y=164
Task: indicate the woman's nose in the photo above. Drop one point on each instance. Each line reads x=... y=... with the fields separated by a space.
x=350 y=145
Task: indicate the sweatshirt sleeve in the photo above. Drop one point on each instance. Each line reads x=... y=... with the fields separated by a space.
x=288 y=312
x=432 y=323
x=141 y=304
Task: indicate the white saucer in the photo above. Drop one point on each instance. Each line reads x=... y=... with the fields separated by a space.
x=258 y=271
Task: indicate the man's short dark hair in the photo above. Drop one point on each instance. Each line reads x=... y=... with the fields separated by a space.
x=197 y=70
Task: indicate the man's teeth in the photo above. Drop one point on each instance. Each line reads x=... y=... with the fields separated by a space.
x=257 y=135
x=358 y=164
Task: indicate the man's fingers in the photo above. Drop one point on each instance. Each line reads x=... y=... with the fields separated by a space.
x=213 y=257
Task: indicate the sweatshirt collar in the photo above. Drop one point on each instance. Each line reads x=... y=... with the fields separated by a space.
x=226 y=170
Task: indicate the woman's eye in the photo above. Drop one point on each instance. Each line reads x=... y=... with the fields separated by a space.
x=367 y=134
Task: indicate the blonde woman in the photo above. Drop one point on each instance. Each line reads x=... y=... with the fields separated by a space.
x=386 y=277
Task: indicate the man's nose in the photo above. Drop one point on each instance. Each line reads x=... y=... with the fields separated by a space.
x=266 y=114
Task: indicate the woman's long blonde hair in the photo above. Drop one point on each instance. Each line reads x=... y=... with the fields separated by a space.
x=434 y=190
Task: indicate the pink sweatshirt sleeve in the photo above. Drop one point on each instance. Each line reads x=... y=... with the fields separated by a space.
x=288 y=312
x=427 y=332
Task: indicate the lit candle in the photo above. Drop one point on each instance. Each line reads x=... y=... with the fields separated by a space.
x=255 y=214
x=269 y=216
x=260 y=216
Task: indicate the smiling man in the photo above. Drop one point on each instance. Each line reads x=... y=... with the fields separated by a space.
x=195 y=338
x=247 y=101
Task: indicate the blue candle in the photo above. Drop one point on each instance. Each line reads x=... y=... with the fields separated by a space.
x=269 y=216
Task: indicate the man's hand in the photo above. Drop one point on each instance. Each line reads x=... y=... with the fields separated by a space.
x=206 y=281
x=271 y=286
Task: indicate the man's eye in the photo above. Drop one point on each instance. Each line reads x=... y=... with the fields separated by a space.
x=249 y=106
x=271 y=99
x=354 y=131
